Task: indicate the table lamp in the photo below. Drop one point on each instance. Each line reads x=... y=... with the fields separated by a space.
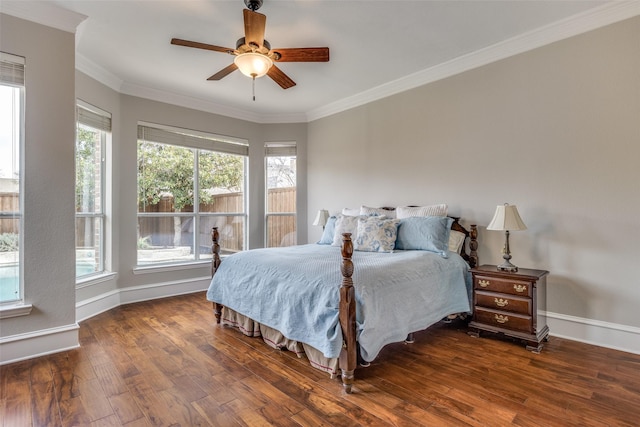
x=506 y=219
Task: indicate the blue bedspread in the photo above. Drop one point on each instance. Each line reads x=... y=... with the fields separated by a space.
x=296 y=291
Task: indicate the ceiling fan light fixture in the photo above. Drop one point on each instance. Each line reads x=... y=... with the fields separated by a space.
x=253 y=64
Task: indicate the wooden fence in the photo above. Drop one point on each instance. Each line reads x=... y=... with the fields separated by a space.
x=162 y=231
x=9 y=202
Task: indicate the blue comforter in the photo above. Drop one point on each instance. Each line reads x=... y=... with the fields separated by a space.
x=296 y=291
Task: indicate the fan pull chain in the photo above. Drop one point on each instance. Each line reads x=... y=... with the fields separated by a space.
x=253 y=86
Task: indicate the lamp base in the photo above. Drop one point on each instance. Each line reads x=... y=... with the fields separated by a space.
x=507 y=266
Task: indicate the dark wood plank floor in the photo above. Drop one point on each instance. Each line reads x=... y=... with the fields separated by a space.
x=166 y=363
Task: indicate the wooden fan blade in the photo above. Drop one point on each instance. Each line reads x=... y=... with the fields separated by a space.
x=197 y=45
x=279 y=77
x=254 y=24
x=303 y=54
x=224 y=72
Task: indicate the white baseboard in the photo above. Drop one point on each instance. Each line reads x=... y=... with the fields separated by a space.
x=162 y=290
x=19 y=347
x=101 y=303
x=595 y=332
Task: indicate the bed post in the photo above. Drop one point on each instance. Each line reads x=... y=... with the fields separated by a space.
x=215 y=263
x=348 y=355
x=473 y=246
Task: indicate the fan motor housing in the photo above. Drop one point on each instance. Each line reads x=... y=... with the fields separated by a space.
x=253 y=4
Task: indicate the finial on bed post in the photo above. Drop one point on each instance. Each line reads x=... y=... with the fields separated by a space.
x=348 y=355
x=473 y=246
x=215 y=263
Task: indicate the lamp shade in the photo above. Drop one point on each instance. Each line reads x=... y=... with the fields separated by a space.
x=253 y=64
x=506 y=218
x=321 y=217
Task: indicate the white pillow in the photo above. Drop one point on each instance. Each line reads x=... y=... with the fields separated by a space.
x=345 y=224
x=456 y=240
x=432 y=210
x=366 y=210
x=351 y=212
x=376 y=234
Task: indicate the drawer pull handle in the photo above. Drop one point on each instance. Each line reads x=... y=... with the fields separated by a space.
x=501 y=302
x=484 y=283
x=519 y=288
x=501 y=318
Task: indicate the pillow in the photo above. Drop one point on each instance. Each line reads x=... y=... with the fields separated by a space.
x=456 y=240
x=427 y=233
x=328 y=232
x=351 y=212
x=365 y=210
x=345 y=224
x=432 y=210
x=376 y=234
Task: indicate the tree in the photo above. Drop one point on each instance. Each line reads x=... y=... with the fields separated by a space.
x=86 y=168
x=167 y=169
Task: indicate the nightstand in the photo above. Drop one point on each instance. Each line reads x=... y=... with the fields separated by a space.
x=508 y=303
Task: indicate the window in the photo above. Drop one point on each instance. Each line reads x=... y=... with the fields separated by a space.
x=281 y=195
x=11 y=179
x=189 y=182
x=93 y=129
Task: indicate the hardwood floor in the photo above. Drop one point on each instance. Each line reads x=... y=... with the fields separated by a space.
x=166 y=363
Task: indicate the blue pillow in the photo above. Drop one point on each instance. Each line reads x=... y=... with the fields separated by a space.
x=425 y=233
x=329 y=231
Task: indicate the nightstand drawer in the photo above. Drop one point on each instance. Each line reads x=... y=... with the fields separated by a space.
x=503 y=319
x=504 y=286
x=504 y=302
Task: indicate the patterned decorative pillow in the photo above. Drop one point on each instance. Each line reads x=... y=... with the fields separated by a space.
x=389 y=213
x=432 y=210
x=376 y=234
x=329 y=231
x=428 y=233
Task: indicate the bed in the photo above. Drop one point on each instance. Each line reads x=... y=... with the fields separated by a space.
x=339 y=306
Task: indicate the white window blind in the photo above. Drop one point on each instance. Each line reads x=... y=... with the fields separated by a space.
x=93 y=119
x=11 y=69
x=164 y=136
x=280 y=150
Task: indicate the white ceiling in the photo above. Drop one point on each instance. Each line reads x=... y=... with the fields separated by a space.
x=376 y=47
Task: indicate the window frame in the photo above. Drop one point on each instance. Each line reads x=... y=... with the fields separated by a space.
x=97 y=120
x=278 y=149
x=12 y=74
x=197 y=142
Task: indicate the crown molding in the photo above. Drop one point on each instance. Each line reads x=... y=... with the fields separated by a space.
x=98 y=73
x=44 y=13
x=590 y=20
x=207 y=106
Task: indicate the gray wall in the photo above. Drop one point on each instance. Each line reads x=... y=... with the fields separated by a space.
x=555 y=131
x=48 y=199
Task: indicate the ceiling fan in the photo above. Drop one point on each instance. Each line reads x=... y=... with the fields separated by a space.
x=254 y=55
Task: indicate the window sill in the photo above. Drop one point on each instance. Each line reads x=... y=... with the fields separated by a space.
x=15 y=310
x=146 y=269
x=94 y=280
